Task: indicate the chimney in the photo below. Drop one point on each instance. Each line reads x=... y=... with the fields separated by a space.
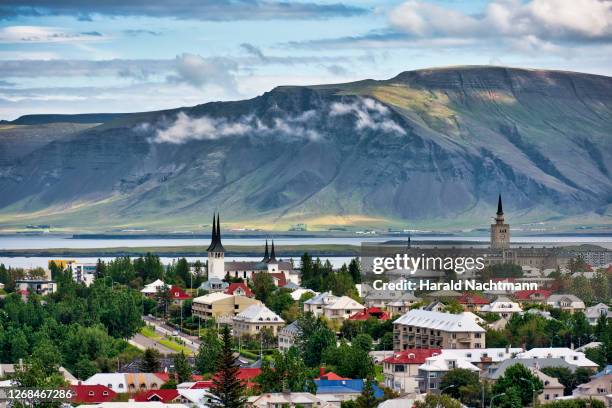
x=321 y=371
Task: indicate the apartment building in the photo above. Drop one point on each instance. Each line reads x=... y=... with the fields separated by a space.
x=427 y=329
x=221 y=306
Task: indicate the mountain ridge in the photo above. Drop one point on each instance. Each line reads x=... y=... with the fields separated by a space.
x=427 y=146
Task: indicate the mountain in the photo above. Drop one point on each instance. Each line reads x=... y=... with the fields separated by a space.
x=430 y=147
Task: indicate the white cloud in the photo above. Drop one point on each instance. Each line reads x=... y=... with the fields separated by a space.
x=548 y=20
x=199 y=71
x=370 y=114
x=38 y=34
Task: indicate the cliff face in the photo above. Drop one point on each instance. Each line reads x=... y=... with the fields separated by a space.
x=424 y=145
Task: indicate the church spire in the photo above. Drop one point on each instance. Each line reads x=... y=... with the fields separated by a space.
x=500 y=211
x=266 y=257
x=213 y=234
x=272 y=254
x=215 y=244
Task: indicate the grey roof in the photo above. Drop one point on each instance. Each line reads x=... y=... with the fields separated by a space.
x=440 y=321
x=390 y=295
x=433 y=305
x=443 y=293
x=254 y=266
x=292 y=286
x=530 y=362
x=216 y=281
x=293 y=329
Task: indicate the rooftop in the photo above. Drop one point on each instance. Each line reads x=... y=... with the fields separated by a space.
x=439 y=321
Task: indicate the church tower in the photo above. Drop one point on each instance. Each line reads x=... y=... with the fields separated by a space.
x=216 y=252
x=500 y=231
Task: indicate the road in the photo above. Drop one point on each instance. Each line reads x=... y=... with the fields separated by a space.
x=143 y=343
x=192 y=342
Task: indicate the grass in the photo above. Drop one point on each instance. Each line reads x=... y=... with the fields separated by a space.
x=150 y=333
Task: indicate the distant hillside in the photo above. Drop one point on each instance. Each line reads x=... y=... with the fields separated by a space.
x=429 y=147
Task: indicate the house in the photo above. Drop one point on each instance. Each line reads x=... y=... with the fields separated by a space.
x=425 y=329
x=336 y=391
x=600 y=387
x=221 y=306
x=287 y=336
x=552 y=390
x=435 y=367
x=442 y=295
x=214 y=285
x=315 y=304
x=299 y=292
x=191 y=397
x=573 y=357
x=566 y=302
x=532 y=296
x=402 y=368
x=133 y=404
x=151 y=289
x=126 y=382
x=41 y=287
x=240 y=289
x=329 y=375
x=382 y=298
x=487 y=359
x=91 y=394
x=255 y=318
x=472 y=302
x=502 y=306
x=435 y=306
x=593 y=313
x=342 y=308
x=371 y=313
x=287 y=400
x=178 y=295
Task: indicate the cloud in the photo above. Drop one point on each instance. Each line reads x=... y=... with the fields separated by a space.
x=369 y=114
x=337 y=70
x=206 y=10
x=139 y=32
x=185 y=128
x=37 y=34
x=198 y=71
x=552 y=20
x=253 y=50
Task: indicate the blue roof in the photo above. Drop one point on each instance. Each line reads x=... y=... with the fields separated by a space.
x=607 y=370
x=344 y=387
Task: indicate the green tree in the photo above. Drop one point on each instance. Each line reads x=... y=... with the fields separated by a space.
x=462 y=384
x=437 y=401
x=182 y=369
x=454 y=307
x=313 y=338
x=149 y=362
x=208 y=352
x=286 y=373
x=227 y=390
x=518 y=375
x=367 y=399
x=354 y=269
x=263 y=286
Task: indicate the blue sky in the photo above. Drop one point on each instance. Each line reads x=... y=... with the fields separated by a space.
x=71 y=56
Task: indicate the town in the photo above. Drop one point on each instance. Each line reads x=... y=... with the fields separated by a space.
x=273 y=333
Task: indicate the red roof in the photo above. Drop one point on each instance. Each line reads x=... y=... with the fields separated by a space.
x=529 y=294
x=248 y=373
x=163 y=376
x=92 y=393
x=178 y=293
x=239 y=285
x=374 y=312
x=202 y=385
x=279 y=279
x=472 y=299
x=411 y=356
x=331 y=376
x=165 y=396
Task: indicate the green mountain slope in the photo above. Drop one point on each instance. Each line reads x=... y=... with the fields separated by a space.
x=428 y=147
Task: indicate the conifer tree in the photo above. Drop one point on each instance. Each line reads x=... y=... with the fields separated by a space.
x=227 y=389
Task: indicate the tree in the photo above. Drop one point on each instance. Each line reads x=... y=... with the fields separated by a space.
x=150 y=361
x=511 y=398
x=454 y=307
x=313 y=338
x=182 y=369
x=367 y=399
x=438 y=401
x=462 y=384
x=520 y=378
x=354 y=269
x=288 y=374
x=227 y=390
x=263 y=286
x=209 y=351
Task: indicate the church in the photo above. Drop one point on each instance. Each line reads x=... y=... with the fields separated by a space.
x=282 y=272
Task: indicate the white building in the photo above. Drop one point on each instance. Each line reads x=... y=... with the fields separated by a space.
x=297 y=294
x=152 y=288
x=593 y=313
x=288 y=400
x=431 y=373
x=502 y=306
x=315 y=305
x=570 y=356
x=255 y=318
x=566 y=302
x=287 y=336
x=83 y=272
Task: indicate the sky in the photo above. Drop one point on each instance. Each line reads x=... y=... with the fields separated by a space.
x=83 y=56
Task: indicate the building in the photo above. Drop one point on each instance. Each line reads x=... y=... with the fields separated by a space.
x=566 y=302
x=221 y=306
x=200 y=398
x=287 y=336
x=472 y=302
x=342 y=308
x=287 y=400
x=84 y=273
x=218 y=267
x=442 y=295
x=41 y=287
x=126 y=382
x=214 y=285
x=552 y=390
x=500 y=231
x=532 y=296
x=151 y=289
x=371 y=313
x=425 y=329
x=434 y=368
x=178 y=295
x=255 y=318
x=315 y=304
x=382 y=298
x=503 y=307
x=572 y=357
x=402 y=368
x=240 y=289
x=600 y=388
x=435 y=306
x=91 y=394
x=336 y=391
x=299 y=292
x=593 y=313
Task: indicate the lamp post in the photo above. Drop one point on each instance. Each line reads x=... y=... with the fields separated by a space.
x=493 y=399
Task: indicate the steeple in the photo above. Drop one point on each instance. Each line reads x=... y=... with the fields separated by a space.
x=272 y=254
x=215 y=244
x=500 y=211
x=266 y=257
